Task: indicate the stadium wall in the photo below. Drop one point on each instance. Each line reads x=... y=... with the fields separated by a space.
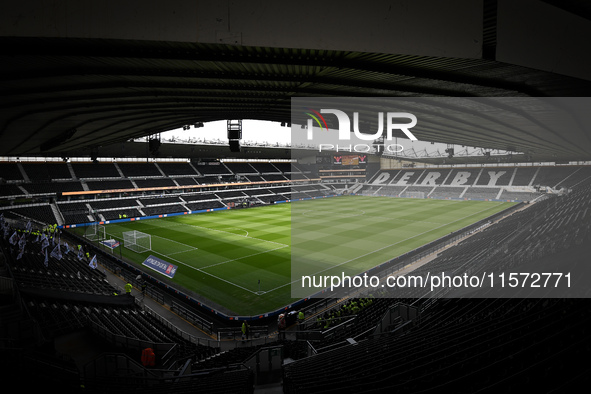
x=164 y=215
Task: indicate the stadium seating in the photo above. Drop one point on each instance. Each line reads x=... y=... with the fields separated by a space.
x=186 y=181
x=524 y=175
x=162 y=182
x=552 y=176
x=255 y=178
x=177 y=169
x=453 y=349
x=8 y=190
x=116 y=214
x=160 y=200
x=95 y=170
x=75 y=212
x=579 y=175
x=217 y=169
x=241 y=168
x=51 y=187
x=10 y=172
x=444 y=192
x=199 y=197
x=138 y=170
x=481 y=193
x=112 y=203
x=518 y=196
x=67 y=296
x=516 y=183
x=163 y=209
x=47 y=171
x=197 y=206
x=265 y=168
x=40 y=213
x=110 y=185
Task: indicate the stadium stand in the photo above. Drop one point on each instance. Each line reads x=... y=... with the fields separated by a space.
x=76 y=212
x=95 y=170
x=552 y=176
x=197 y=206
x=241 y=168
x=11 y=190
x=518 y=196
x=511 y=183
x=116 y=214
x=186 y=181
x=40 y=213
x=147 y=183
x=447 y=192
x=273 y=177
x=524 y=176
x=212 y=169
x=481 y=193
x=255 y=178
x=456 y=333
x=199 y=197
x=110 y=184
x=160 y=200
x=177 y=169
x=51 y=187
x=104 y=204
x=516 y=183
x=163 y=209
x=93 y=97
x=10 y=172
x=216 y=179
x=47 y=171
x=265 y=168
x=139 y=170
x=68 y=296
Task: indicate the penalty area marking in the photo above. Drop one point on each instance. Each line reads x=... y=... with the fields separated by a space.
x=227 y=232
x=220 y=263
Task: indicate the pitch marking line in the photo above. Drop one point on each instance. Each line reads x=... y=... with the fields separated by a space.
x=168 y=239
x=207 y=273
x=385 y=247
x=168 y=256
x=243 y=257
x=191 y=248
x=321 y=212
x=227 y=232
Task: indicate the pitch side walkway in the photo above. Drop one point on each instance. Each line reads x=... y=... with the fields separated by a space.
x=163 y=310
x=166 y=312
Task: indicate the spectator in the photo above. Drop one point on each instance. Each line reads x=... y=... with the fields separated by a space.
x=128 y=288
x=281 y=326
x=148 y=357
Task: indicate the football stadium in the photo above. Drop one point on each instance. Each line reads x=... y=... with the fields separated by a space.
x=232 y=197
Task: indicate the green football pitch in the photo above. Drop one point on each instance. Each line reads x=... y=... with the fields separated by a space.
x=222 y=255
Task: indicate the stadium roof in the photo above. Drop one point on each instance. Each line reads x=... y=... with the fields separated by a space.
x=70 y=96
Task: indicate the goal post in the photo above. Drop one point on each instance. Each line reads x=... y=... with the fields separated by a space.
x=413 y=195
x=137 y=241
x=95 y=232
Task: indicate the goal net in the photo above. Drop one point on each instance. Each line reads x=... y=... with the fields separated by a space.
x=95 y=232
x=413 y=195
x=137 y=241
